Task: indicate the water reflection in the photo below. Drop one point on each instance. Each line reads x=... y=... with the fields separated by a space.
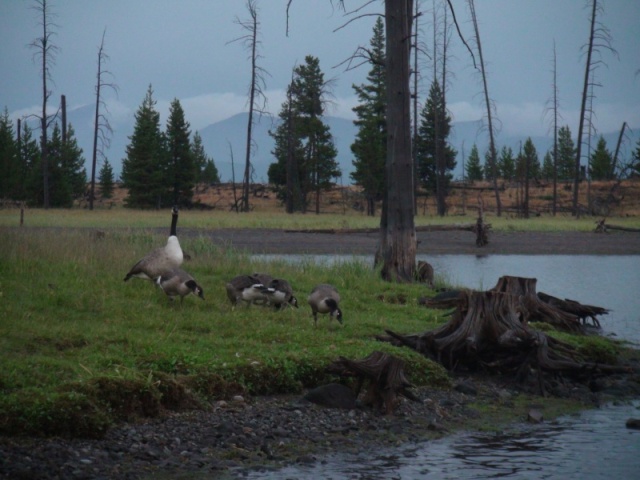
x=593 y=445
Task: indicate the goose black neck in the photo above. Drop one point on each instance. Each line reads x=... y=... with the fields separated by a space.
x=174 y=222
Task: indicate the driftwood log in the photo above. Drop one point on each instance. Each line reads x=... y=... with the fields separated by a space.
x=384 y=376
x=490 y=331
x=602 y=227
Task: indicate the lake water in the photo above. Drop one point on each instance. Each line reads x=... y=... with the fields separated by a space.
x=592 y=445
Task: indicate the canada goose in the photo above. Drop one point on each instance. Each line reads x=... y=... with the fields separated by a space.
x=280 y=294
x=246 y=288
x=324 y=298
x=263 y=278
x=161 y=260
x=178 y=282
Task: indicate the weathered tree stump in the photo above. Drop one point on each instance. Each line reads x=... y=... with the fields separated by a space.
x=384 y=374
x=490 y=331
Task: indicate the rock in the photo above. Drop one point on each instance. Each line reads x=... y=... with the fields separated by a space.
x=466 y=387
x=633 y=423
x=534 y=416
x=333 y=395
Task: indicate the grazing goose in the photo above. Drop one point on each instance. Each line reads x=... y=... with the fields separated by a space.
x=178 y=282
x=246 y=288
x=280 y=294
x=263 y=278
x=161 y=260
x=324 y=298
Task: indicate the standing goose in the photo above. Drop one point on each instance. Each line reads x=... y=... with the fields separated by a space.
x=280 y=294
x=178 y=282
x=246 y=288
x=161 y=260
x=324 y=298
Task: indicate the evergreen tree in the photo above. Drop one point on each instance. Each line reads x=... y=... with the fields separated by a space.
x=206 y=168
x=10 y=169
x=566 y=154
x=547 y=166
x=530 y=155
x=601 y=161
x=31 y=158
x=473 y=167
x=370 y=145
x=67 y=176
x=635 y=164
x=489 y=167
x=143 y=168
x=316 y=166
x=431 y=146
x=506 y=163
x=106 y=179
x=181 y=170
x=288 y=150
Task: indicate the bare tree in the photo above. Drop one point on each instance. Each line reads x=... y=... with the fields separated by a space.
x=599 y=37
x=257 y=98
x=397 y=248
x=397 y=229
x=45 y=52
x=101 y=128
x=489 y=106
x=552 y=108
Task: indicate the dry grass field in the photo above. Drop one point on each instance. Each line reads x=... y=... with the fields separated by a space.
x=608 y=198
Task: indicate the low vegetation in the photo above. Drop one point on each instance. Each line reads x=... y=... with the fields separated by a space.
x=80 y=349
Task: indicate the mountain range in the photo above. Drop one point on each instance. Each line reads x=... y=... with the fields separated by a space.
x=225 y=142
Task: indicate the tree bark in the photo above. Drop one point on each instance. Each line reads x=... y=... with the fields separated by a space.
x=397 y=250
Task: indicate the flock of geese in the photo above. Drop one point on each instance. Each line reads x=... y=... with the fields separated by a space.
x=162 y=266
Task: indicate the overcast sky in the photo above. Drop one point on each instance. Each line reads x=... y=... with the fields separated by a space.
x=181 y=48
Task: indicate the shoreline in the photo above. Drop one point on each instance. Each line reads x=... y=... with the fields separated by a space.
x=456 y=242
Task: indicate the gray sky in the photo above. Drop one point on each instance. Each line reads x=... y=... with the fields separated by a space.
x=180 y=47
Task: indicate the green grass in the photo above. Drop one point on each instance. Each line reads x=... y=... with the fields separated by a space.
x=80 y=348
x=126 y=218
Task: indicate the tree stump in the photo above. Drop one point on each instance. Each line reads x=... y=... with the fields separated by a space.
x=490 y=331
x=385 y=377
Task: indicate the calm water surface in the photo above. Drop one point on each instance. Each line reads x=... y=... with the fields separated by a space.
x=593 y=445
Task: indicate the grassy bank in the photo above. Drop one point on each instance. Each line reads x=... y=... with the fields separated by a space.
x=80 y=349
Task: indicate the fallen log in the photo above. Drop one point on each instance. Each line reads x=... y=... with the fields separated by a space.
x=421 y=228
x=385 y=377
x=602 y=227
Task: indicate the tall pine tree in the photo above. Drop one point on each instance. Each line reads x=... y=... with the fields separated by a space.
x=506 y=163
x=205 y=166
x=143 y=168
x=11 y=171
x=181 y=169
x=601 y=161
x=308 y=142
x=566 y=154
x=370 y=145
x=473 y=166
x=436 y=158
x=106 y=180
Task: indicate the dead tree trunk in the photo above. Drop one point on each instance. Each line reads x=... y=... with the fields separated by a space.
x=385 y=376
